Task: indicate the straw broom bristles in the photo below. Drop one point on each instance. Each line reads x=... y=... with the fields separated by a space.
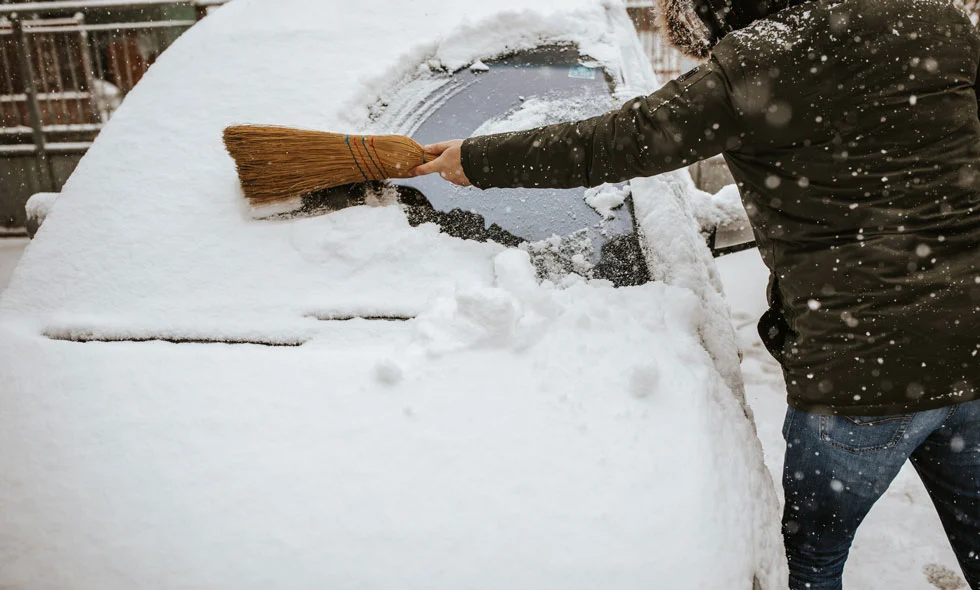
x=278 y=163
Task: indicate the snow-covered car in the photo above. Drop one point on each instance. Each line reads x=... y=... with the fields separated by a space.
x=427 y=390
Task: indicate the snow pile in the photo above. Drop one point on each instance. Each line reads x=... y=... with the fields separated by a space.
x=515 y=315
x=606 y=198
x=538 y=112
x=721 y=210
x=39 y=205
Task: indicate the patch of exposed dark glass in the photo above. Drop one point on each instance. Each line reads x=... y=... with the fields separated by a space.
x=330 y=317
x=109 y=339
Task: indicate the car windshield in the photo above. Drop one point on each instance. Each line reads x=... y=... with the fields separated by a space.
x=522 y=91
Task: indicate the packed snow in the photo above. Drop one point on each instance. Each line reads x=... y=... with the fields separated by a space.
x=605 y=199
x=722 y=209
x=505 y=433
x=39 y=205
x=479 y=66
x=540 y=111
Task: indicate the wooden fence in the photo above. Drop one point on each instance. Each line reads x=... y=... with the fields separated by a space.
x=61 y=77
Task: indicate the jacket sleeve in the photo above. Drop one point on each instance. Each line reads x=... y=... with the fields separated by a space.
x=690 y=119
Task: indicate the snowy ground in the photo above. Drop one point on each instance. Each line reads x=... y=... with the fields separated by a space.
x=10 y=251
x=901 y=546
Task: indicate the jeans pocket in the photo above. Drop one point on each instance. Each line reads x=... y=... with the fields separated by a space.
x=788 y=422
x=864 y=434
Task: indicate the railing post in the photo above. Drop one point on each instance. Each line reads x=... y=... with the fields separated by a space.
x=86 y=48
x=44 y=166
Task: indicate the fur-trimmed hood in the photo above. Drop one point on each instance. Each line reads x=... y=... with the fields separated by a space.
x=695 y=26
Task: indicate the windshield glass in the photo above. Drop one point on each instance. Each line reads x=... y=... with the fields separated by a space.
x=523 y=91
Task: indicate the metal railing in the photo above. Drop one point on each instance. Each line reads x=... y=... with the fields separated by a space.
x=668 y=63
x=61 y=78
x=42 y=8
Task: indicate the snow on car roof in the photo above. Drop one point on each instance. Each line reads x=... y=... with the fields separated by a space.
x=512 y=435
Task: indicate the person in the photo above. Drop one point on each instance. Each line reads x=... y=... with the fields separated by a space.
x=852 y=130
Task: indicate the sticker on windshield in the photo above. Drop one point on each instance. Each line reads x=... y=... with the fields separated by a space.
x=581 y=72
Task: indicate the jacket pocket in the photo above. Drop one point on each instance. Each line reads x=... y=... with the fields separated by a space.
x=772 y=331
x=864 y=434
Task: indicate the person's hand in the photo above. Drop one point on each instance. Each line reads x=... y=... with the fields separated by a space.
x=448 y=162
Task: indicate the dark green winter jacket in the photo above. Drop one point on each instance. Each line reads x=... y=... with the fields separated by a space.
x=852 y=130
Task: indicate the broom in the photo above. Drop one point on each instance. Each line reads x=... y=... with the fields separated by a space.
x=277 y=164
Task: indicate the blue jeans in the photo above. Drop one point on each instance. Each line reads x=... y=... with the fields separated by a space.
x=838 y=466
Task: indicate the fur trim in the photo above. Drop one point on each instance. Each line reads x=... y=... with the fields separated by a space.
x=686 y=31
